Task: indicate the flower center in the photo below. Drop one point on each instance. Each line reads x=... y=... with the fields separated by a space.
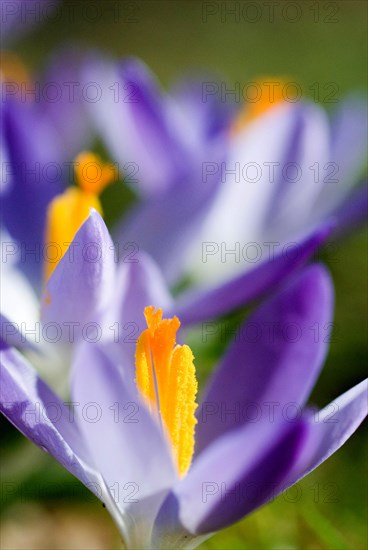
x=260 y=96
x=165 y=376
x=68 y=211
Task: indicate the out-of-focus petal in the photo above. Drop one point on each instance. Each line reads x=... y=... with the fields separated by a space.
x=33 y=169
x=200 y=305
x=18 y=300
x=164 y=227
x=353 y=212
x=134 y=122
x=11 y=336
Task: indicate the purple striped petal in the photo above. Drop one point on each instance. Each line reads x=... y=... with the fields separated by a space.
x=200 y=305
x=40 y=415
x=271 y=367
x=82 y=284
x=135 y=124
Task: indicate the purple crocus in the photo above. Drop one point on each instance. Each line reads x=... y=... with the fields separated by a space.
x=250 y=191
x=125 y=454
x=43 y=127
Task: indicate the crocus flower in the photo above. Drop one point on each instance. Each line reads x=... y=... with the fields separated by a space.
x=169 y=472
x=301 y=173
x=43 y=127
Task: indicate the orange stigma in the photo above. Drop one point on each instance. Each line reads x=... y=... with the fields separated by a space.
x=165 y=376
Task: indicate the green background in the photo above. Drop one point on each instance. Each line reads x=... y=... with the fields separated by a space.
x=46 y=508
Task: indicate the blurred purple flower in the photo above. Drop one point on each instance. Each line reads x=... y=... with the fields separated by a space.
x=275 y=180
x=43 y=127
x=239 y=463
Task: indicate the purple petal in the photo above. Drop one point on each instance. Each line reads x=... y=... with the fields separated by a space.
x=330 y=428
x=236 y=474
x=201 y=305
x=82 y=284
x=273 y=362
x=134 y=121
x=349 y=139
x=30 y=147
x=67 y=117
x=124 y=440
x=139 y=284
x=40 y=415
x=353 y=212
x=10 y=336
x=199 y=97
x=292 y=204
x=165 y=226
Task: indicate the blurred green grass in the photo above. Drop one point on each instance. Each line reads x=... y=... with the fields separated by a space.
x=171 y=36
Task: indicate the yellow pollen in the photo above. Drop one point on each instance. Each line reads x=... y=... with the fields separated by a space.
x=67 y=212
x=261 y=96
x=165 y=376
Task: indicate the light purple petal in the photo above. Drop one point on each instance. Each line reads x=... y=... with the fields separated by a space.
x=201 y=102
x=82 y=284
x=165 y=226
x=330 y=428
x=67 y=117
x=273 y=363
x=135 y=124
x=124 y=440
x=292 y=203
x=200 y=305
x=10 y=336
x=349 y=139
x=40 y=415
x=31 y=146
x=139 y=284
